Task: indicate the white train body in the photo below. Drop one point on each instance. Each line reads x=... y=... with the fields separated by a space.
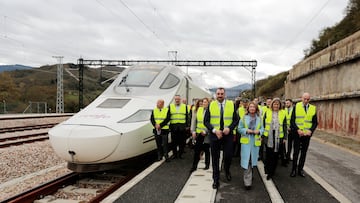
x=116 y=125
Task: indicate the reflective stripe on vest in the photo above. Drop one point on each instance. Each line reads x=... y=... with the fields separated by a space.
x=245 y=139
x=215 y=114
x=160 y=116
x=178 y=116
x=281 y=117
x=303 y=119
x=200 y=127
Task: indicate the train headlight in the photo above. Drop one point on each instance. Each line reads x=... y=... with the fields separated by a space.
x=139 y=116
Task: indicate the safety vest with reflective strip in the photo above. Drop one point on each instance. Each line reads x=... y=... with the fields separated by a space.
x=200 y=127
x=288 y=116
x=178 y=116
x=160 y=116
x=281 y=117
x=241 y=111
x=263 y=111
x=215 y=114
x=245 y=139
x=303 y=119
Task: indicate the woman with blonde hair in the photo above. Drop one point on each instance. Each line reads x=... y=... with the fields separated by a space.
x=250 y=128
x=274 y=134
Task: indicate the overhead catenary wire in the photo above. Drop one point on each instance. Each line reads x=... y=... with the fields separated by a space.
x=143 y=23
x=304 y=28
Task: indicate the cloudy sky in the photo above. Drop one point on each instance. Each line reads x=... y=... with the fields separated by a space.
x=273 y=32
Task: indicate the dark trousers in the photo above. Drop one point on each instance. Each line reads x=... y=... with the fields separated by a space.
x=290 y=145
x=162 y=143
x=271 y=161
x=201 y=146
x=225 y=143
x=282 y=153
x=237 y=145
x=178 y=139
x=301 y=144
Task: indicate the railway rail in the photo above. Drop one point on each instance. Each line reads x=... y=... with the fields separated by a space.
x=26 y=128
x=73 y=187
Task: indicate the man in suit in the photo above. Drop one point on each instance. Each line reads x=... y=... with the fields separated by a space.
x=303 y=124
x=221 y=119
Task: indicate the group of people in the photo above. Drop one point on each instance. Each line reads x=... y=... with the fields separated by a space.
x=268 y=132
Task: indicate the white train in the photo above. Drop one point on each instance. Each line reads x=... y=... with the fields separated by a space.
x=115 y=128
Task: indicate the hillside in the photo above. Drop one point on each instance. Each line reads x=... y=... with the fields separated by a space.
x=13 y=67
x=346 y=27
x=20 y=87
x=235 y=91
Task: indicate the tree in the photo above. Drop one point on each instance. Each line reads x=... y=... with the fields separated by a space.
x=8 y=90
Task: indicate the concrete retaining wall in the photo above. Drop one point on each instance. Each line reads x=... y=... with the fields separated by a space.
x=332 y=77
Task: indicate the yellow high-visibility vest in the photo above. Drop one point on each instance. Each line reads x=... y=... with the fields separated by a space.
x=215 y=114
x=178 y=116
x=241 y=111
x=160 y=116
x=200 y=127
x=244 y=139
x=288 y=116
x=303 y=119
x=281 y=117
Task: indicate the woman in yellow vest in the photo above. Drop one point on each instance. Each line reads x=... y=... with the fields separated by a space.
x=200 y=134
x=250 y=128
x=275 y=135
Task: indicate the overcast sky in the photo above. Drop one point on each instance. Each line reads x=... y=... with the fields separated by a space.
x=273 y=32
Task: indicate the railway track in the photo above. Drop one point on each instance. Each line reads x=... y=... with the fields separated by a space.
x=76 y=187
x=22 y=139
x=20 y=129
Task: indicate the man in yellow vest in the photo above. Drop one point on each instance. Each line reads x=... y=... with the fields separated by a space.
x=160 y=118
x=221 y=119
x=303 y=123
x=179 y=121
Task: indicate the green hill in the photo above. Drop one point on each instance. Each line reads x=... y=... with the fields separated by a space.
x=19 y=88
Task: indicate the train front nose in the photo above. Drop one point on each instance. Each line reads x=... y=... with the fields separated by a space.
x=83 y=144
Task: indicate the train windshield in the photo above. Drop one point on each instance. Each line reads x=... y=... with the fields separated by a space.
x=139 y=77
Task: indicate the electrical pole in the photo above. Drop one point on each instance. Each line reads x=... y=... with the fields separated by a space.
x=60 y=87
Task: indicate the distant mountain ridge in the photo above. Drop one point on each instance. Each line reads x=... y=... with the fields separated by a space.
x=13 y=67
x=233 y=92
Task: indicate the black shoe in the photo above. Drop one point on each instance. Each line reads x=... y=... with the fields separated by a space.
x=228 y=176
x=159 y=158
x=215 y=185
x=301 y=173
x=293 y=173
x=268 y=177
x=206 y=168
x=248 y=187
x=192 y=170
x=167 y=160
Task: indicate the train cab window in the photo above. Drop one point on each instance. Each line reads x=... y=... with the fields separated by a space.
x=139 y=116
x=139 y=77
x=170 y=82
x=113 y=103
